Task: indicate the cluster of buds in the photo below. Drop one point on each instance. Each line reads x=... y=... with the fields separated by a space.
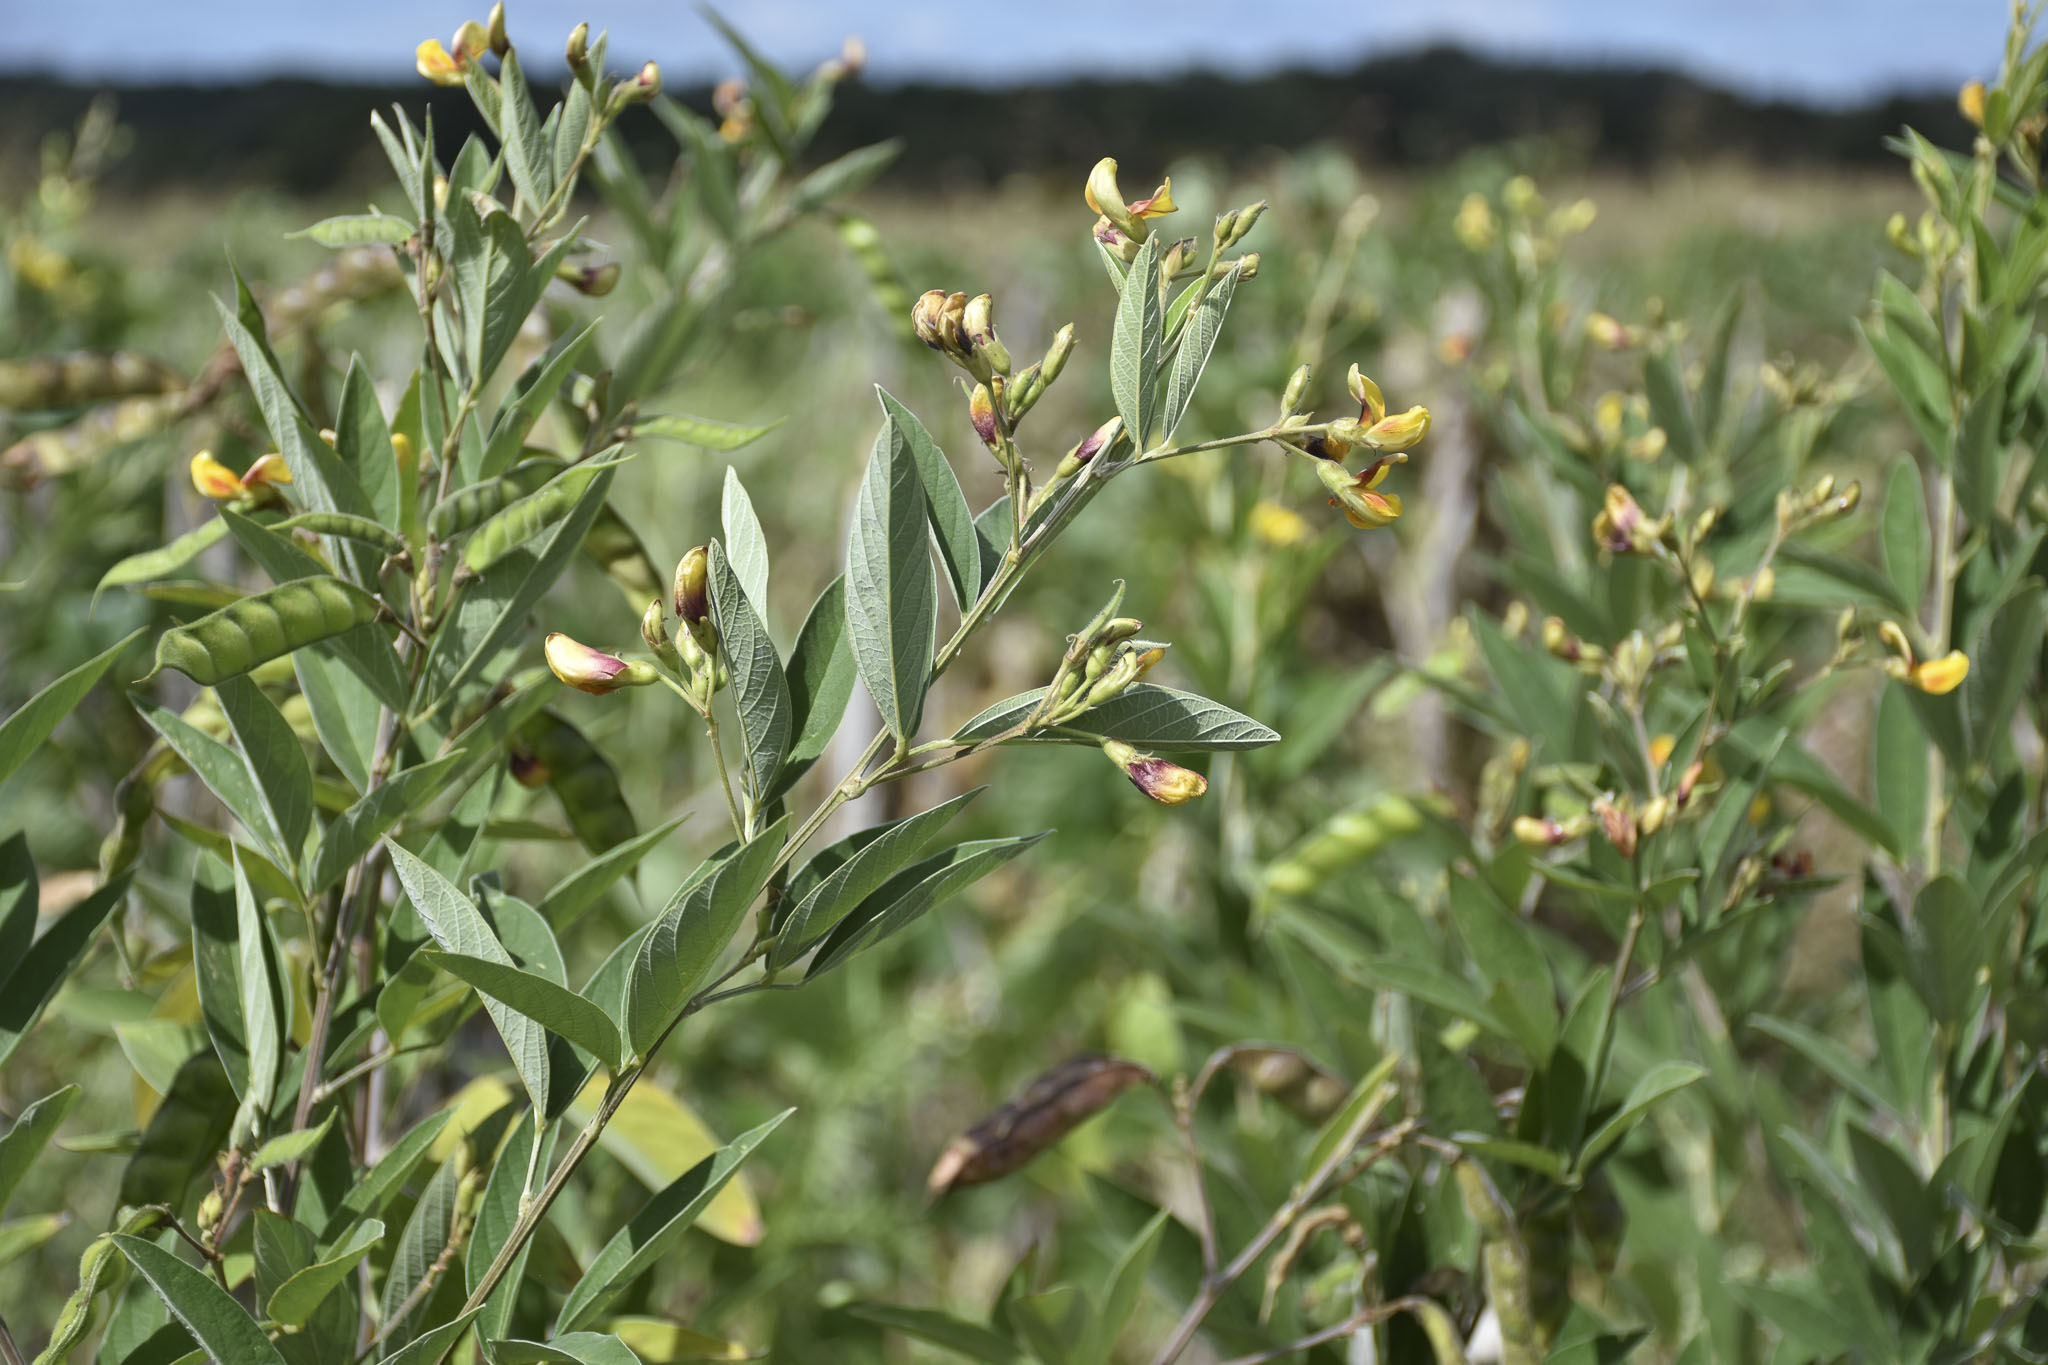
x=1936 y=677
x=1621 y=526
x=1798 y=510
x=696 y=638
x=1121 y=226
x=962 y=330
x=1387 y=435
x=1100 y=663
x=593 y=670
x=450 y=65
x=1623 y=423
x=254 y=487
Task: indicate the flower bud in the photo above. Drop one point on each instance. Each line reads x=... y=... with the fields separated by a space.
x=1372 y=404
x=592 y=670
x=1607 y=332
x=1121 y=628
x=437 y=64
x=594 y=281
x=1534 y=831
x=981 y=410
x=1474 y=226
x=1056 y=356
x=1296 y=390
x=1939 y=677
x=640 y=90
x=472 y=41
x=214 y=479
x=1621 y=526
x=1618 y=825
x=977 y=328
x=654 y=630
x=926 y=315
x=1167 y=783
x=494 y=29
x=1243 y=222
x=1970 y=100
x=1097 y=441
x=1246 y=266
x=578 y=50
x=1655 y=815
x=691 y=596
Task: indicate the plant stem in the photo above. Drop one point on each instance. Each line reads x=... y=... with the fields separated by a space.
x=1937 y=639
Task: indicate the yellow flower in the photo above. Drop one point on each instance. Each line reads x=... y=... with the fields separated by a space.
x=1970 y=99
x=1103 y=196
x=215 y=480
x=1400 y=431
x=1939 y=677
x=1372 y=404
x=1474 y=226
x=1661 y=747
x=1277 y=526
x=269 y=469
x=437 y=64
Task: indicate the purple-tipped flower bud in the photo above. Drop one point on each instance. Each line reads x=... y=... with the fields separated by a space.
x=981 y=410
x=594 y=280
x=978 y=331
x=925 y=317
x=1098 y=440
x=1167 y=783
x=692 y=595
x=593 y=670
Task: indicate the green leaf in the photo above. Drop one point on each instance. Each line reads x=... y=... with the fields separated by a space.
x=530 y=396
x=164 y=560
x=568 y=898
x=854 y=880
x=349 y=837
x=219 y=768
x=636 y=1247
x=891 y=587
x=1197 y=341
x=1898 y=766
x=292 y=1302
x=459 y=927
x=20 y=893
x=265 y=1014
x=1905 y=536
x=296 y=1145
x=746 y=544
x=912 y=892
x=1134 y=347
x=419 y=1246
x=1668 y=405
x=345 y=714
x=23 y=1235
x=431 y=1347
x=24 y=1141
x=843 y=175
x=384 y=1180
x=1370 y=1094
x=820 y=678
x=220 y=1325
x=699 y=431
x=571 y=1348
x=759 y=690
x=1909 y=1206
x=1665 y=1078
x=22 y=733
x=553 y=1007
x=358 y=229
x=525 y=1154
x=277 y=765
x=363 y=440
x=1120 y=1296
x=49 y=960
x=695 y=928
x=1846 y=1069
x=944 y=1331
x=527 y=155
x=1144 y=714
x=952 y=521
x=1945 y=948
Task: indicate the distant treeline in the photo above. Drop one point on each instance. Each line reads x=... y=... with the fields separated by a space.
x=1415 y=110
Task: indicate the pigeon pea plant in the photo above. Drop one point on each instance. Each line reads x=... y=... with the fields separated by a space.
x=1597 y=1114
x=292 y=1198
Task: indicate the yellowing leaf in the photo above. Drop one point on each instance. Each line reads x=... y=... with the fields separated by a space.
x=657 y=1137
x=666 y=1343
x=472 y=1104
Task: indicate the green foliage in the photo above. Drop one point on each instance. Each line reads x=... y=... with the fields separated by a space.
x=1479 y=992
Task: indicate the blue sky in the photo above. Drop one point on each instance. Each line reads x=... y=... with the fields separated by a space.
x=1825 y=50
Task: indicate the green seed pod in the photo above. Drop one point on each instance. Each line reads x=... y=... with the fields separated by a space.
x=864 y=244
x=580 y=778
x=57 y=451
x=525 y=519
x=344 y=527
x=1345 y=839
x=471 y=506
x=261 y=627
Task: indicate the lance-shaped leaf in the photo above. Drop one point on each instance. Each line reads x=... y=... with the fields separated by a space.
x=264 y=1010
x=555 y=1008
x=699 y=922
x=292 y=1302
x=497 y=1214
x=362 y=437
x=38 y=972
x=277 y=765
x=568 y=898
x=24 y=732
x=530 y=396
x=952 y=520
x=222 y=1327
x=384 y=1180
x=700 y=431
x=419 y=1247
x=459 y=927
x=358 y=229
x=838 y=890
x=657 y=1137
x=891 y=587
x=654 y=1229
x=350 y=836
x=949 y=1333
x=32 y=1128
x=1134 y=347
x=746 y=544
x=911 y=892
x=1197 y=342
x=345 y=714
x=164 y=560
x=1143 y=714
x=820 y=678
x=431 y=1347
x=760 y=692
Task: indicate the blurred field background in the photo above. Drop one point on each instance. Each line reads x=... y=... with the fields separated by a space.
x=1128 y=930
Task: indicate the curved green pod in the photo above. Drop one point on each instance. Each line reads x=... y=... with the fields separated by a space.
x=525 y=519
x=472 y=506
x=346 y=527
x=262 y=627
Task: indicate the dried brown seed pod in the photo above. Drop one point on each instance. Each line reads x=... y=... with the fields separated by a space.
x=1047 y=1110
